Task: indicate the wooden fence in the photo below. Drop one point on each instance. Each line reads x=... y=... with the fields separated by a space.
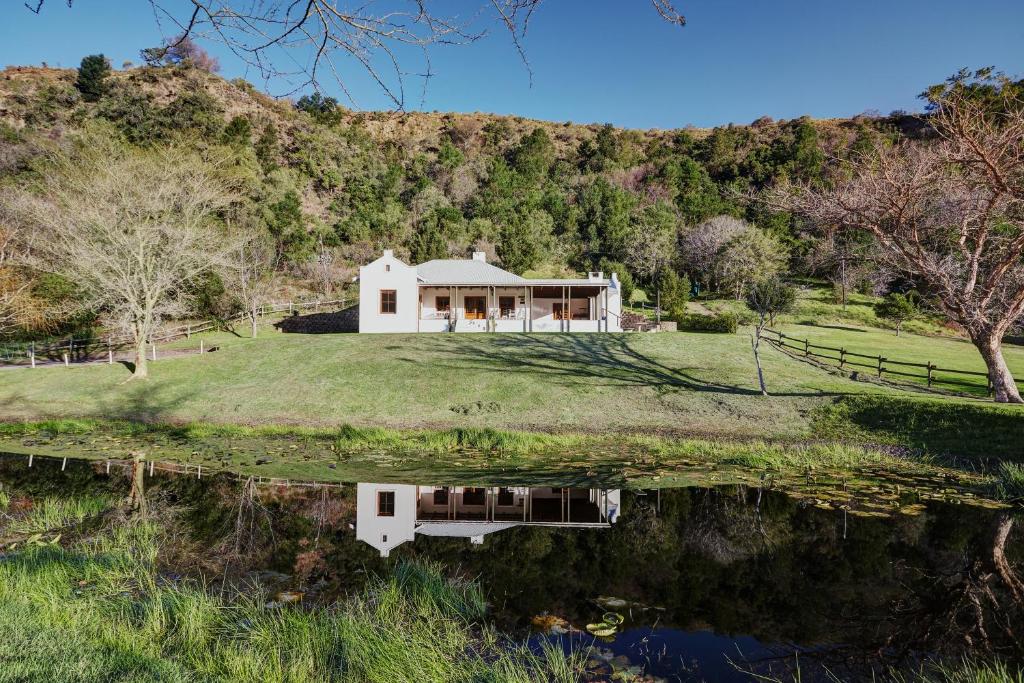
x=930 y=373
x=70 y=349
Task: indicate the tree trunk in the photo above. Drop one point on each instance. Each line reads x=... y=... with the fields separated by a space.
x=898 y=326
x=253 y=320
x=1004 y=388
x=141 y=370
x=755 y=342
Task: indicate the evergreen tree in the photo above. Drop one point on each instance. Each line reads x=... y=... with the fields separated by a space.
x=92 y=77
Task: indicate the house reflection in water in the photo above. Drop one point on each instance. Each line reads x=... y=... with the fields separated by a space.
x=388 y=515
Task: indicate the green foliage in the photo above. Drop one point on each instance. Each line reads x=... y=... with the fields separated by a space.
x=897 y=308
x=92 y=77
x=449 y=157
x=751 y=256
x=607 y=266
x=673 y=292
x=134 y=113
x=267 y=148
x=603 y=222
x=238 y=131
x=523 y=240
x=1010 y=481
x=197 y=111
x=324 y=110
x=770 y=298
x=533 y=157
x=288 y=228
x=698 y=322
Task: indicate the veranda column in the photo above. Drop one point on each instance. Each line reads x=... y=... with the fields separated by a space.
x=607 y=315
x=568 y=319
x=526 y=324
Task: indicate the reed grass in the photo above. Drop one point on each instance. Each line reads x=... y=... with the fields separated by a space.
x=95 y=611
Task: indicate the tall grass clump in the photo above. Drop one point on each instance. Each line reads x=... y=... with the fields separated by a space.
x=96 y=611
x=1010 y=481
x=55 y=513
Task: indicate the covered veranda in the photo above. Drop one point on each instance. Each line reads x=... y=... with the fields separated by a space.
x=540 y=306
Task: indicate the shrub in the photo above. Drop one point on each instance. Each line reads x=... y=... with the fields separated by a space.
x=698 y=322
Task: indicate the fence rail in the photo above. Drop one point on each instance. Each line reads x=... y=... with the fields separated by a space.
x=70 y=349
x=932 y=375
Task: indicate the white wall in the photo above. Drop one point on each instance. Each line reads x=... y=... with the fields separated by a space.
x=388 y=272
x=385 y=533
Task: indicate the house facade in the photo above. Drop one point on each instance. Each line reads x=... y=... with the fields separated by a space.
x=388 y=515
x=471 y=295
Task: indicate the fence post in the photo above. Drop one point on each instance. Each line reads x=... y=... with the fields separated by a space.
x=153 y=344
x=842 y=358
x=930 y=368
x=880 y=361
x=71 y=346
x=67 y=362
x=807 y=347
x=188 y=331
x=200 y=346
x=32 y=354
x=110 y=350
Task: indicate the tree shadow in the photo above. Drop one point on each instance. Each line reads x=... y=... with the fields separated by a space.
x=331 y=322
x=842 y=328
x=612 y=359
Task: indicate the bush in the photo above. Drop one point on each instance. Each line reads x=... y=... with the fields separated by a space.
x=698 y=322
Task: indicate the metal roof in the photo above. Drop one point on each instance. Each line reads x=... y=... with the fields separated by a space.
x=471 y=272
x=465 y=272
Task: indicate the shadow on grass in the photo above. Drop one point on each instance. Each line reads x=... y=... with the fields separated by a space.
x=842 y=328
x=963 y=434
x=611 y=358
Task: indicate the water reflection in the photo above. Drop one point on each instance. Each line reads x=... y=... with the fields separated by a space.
x=701 y=575
x=388 y=515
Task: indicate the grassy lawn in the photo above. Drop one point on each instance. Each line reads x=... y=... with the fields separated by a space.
x=679 y=384
x=688 y=383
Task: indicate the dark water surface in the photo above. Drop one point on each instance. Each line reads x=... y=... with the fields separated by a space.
x=710 y=582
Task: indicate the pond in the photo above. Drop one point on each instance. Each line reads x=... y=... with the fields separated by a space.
x=692 y=583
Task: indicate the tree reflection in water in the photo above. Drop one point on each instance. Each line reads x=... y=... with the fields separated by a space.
x=690 y=568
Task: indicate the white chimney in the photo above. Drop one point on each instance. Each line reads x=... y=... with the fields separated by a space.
x=480 y=256
x=595 y=276
x=389 y=253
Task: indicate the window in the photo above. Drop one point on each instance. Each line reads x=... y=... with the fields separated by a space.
x=387 y=268
x=557 y=311
x=441 y=496
x=443 y=304
x=507 y=306
x=388 y=301
x=505 y=496
x=385 y=503
x=473 y=496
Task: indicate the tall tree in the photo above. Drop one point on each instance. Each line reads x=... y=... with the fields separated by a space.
x=92 y=77
x=949 y=211
x=131 y=229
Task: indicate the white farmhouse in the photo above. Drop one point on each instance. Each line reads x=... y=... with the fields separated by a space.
x=471 y=295
x=388 y=515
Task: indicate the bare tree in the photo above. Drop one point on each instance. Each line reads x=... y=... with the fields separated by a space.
x=378 y=38
x=701 y=243
x=252 y=264
x=949 y=211
x=131 y=229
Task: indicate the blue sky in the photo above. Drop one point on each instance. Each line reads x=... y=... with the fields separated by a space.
x=616 y=61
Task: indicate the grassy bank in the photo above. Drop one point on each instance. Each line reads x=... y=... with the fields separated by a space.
x=825 y=469
x=96 y=610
